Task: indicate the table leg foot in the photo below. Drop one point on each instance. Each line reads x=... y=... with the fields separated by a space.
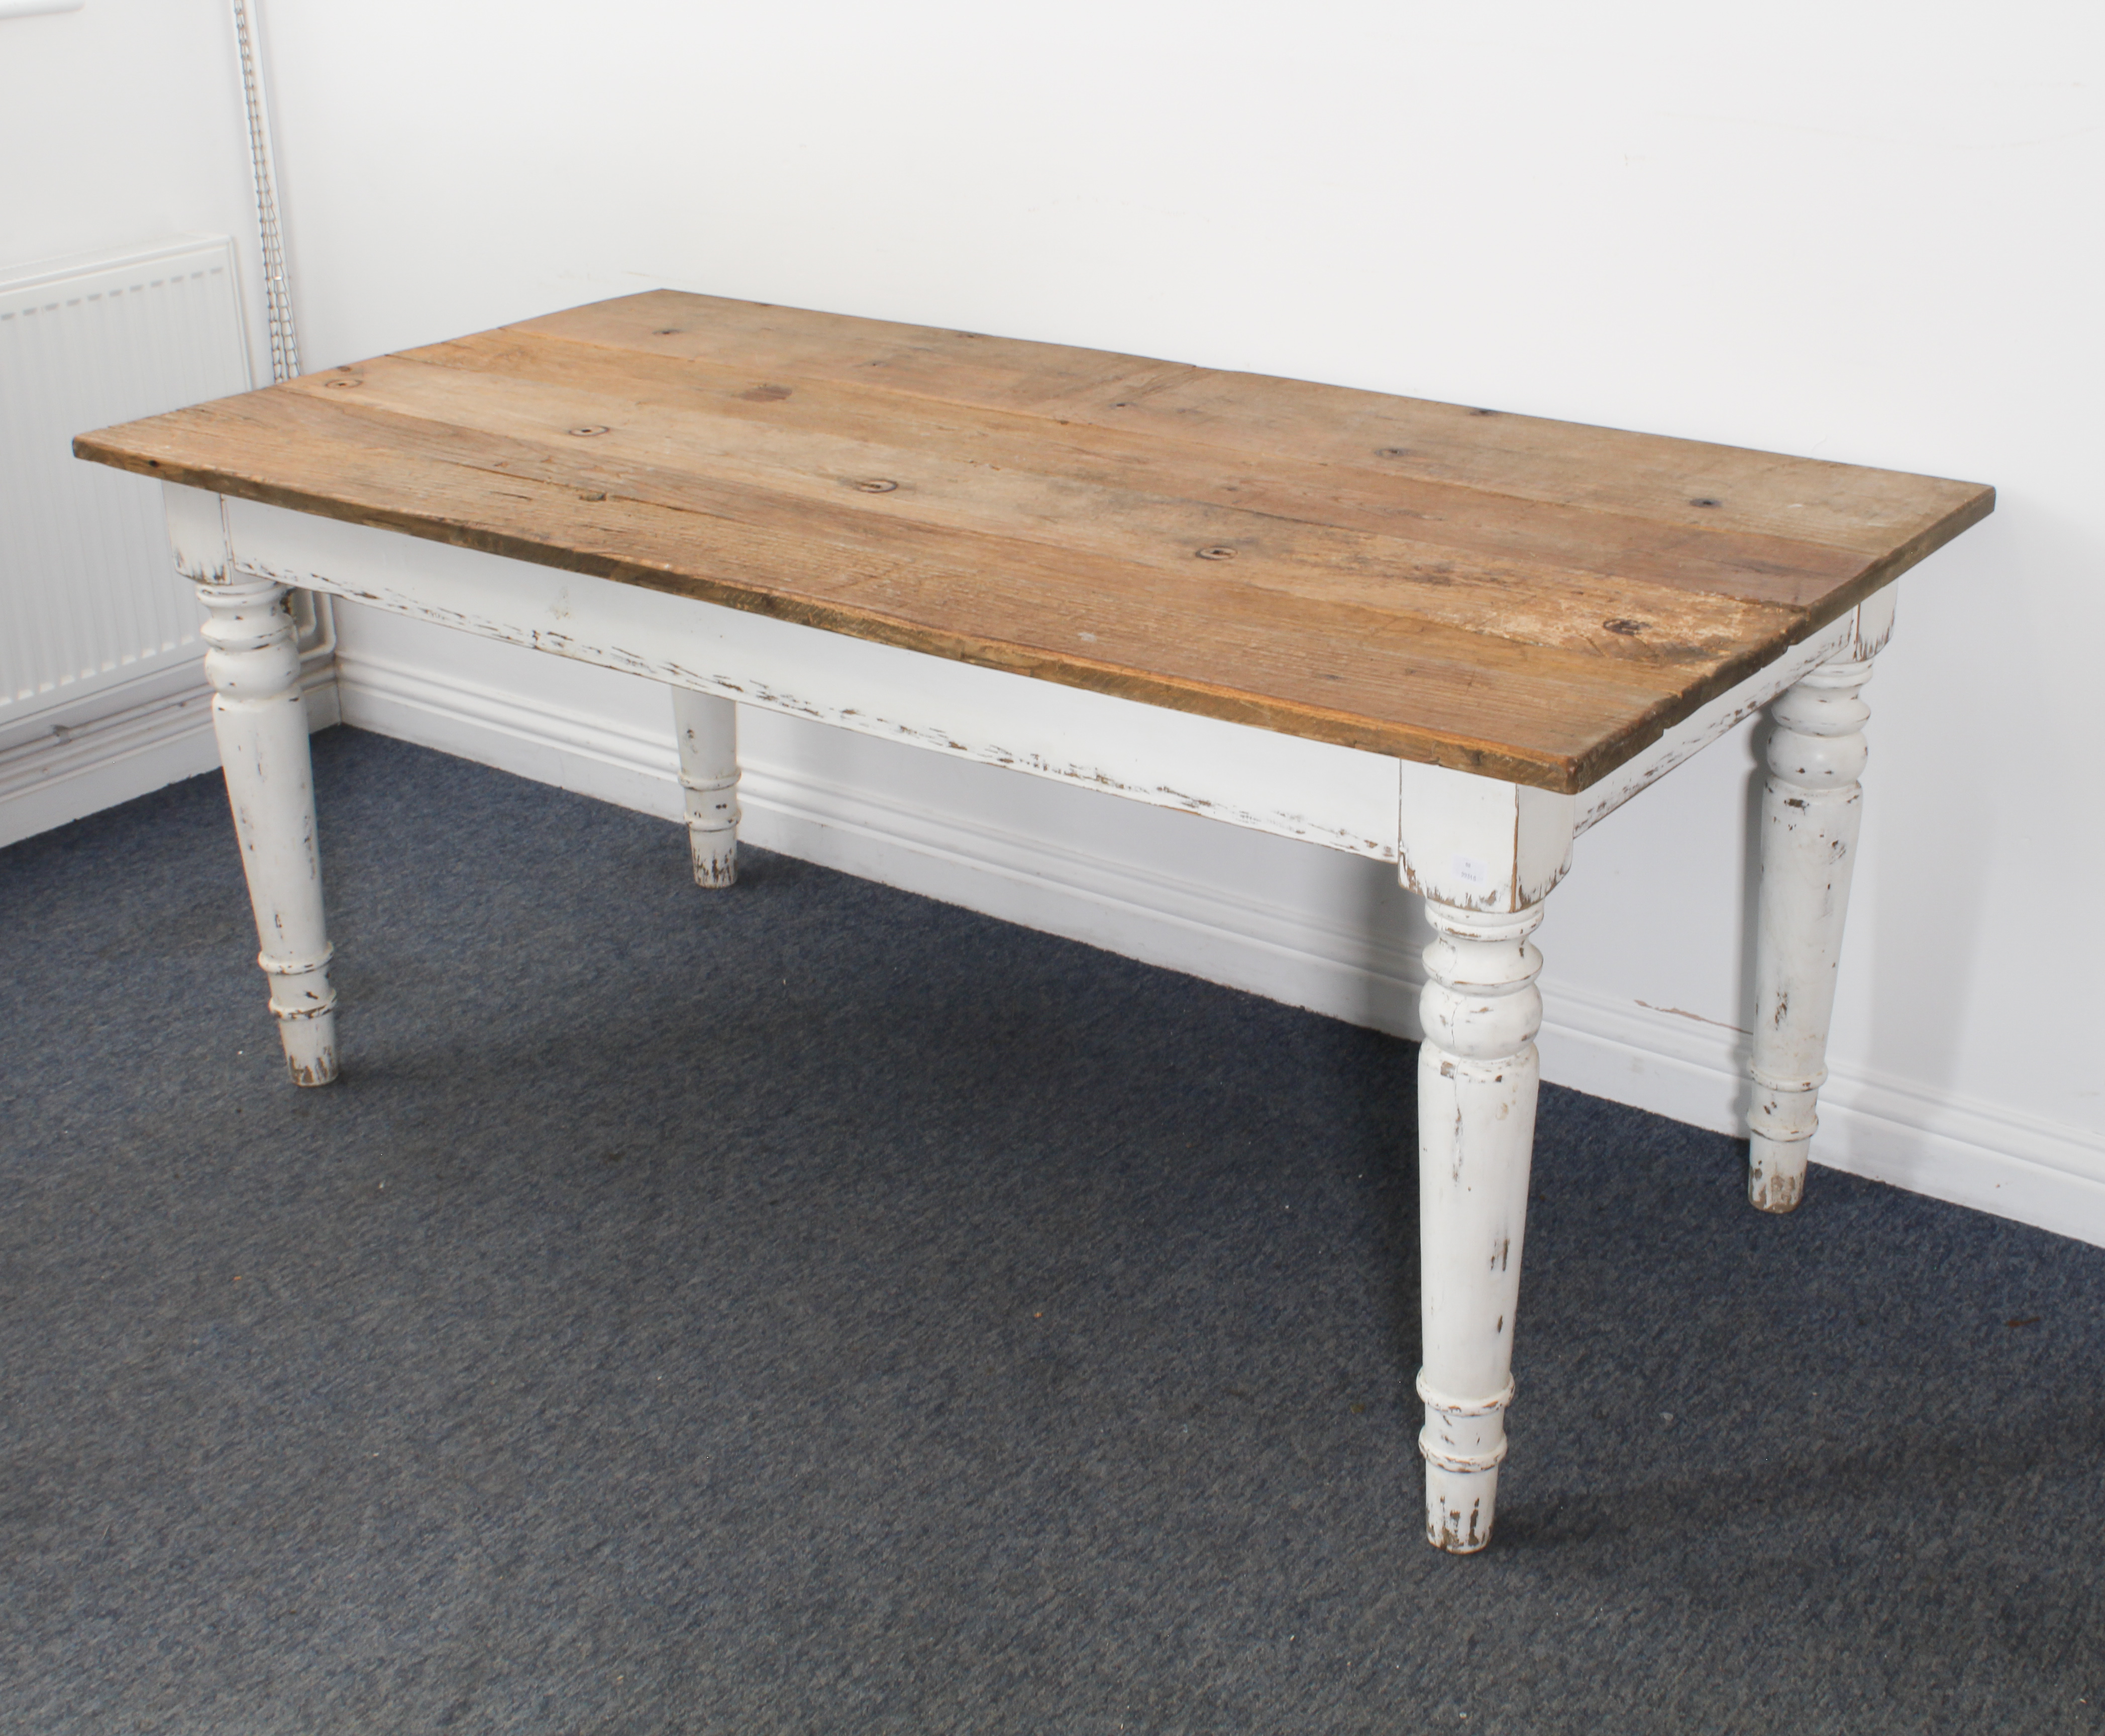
x=1775 y=1172
x=1811 y=804
x=1461 y=1489
x=259 y=717
x=1478 y=1078
x=707 y=728
x=310 y=1043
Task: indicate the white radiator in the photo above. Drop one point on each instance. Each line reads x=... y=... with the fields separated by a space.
x=102 y=696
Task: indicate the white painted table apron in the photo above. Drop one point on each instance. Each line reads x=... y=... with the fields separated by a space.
x=1484 y=853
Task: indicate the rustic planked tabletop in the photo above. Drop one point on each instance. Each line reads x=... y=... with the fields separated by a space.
x=1530 y=599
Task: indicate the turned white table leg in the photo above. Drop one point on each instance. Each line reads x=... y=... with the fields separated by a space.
x=1811 y=803
x=1477 y=1080
x=261 y=718
x=708 y=771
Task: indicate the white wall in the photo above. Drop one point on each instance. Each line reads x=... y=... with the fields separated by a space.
x=1864 y=231
x=121 y=124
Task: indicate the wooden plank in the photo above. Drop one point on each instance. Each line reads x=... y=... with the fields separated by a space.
x=1325 y=673
x=1720 y=562
x=945 y=505
x=1533 y=601
x=1870 y=512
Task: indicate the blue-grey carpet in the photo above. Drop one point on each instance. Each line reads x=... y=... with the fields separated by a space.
x=812 y=1308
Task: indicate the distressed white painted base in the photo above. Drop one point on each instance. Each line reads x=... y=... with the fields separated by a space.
x=1812 y=806
x=1329 y=932
x=707 y=728
x=259 y=715
x=1483 y=854
x=1477 y=1080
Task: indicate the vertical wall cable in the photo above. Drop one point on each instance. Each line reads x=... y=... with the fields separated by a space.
x=277 y=288
x=311 y=613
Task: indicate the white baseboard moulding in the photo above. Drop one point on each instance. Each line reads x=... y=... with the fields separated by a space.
x=68 y=762
x=1975 y=1154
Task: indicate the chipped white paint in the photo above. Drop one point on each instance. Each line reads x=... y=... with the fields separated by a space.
x=197 y=533
x=1485 y=854
x=1811 y=804
x=1480 y=843
x=1862 y=632
x=1873 y=623
x=259 y=715
x=1339 y=797
x=708 y=730
x=1700 y=728
x=1477 y=1080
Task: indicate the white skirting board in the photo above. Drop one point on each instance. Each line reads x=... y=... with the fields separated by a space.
x=1030 y=860
x=71 y=760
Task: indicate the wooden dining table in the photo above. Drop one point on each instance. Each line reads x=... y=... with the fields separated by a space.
x=1443 y=636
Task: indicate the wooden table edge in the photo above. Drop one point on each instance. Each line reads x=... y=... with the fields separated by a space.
x=1570 y=775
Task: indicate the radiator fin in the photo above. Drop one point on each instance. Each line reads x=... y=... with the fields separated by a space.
x=87 y=600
